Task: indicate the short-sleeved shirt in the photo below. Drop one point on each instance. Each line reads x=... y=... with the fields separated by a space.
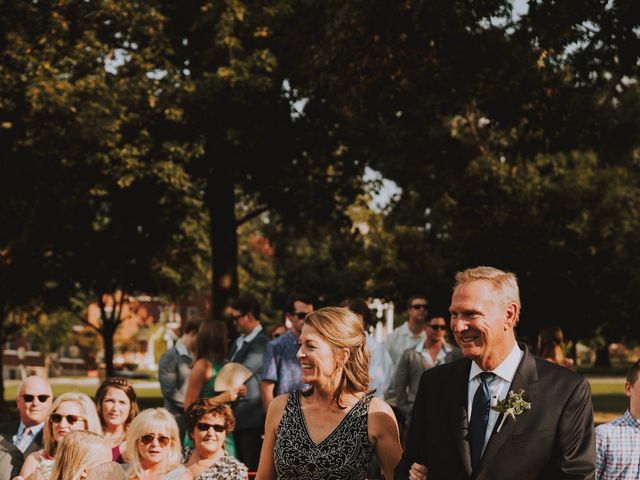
x=281 y=366
x=618 y=449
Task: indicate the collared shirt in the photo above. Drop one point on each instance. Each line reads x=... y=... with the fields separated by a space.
x=380 y=366
x=33 y=432
x=246 y=338
x=280 y=364
x=400 y=340
x=618 y=449
x=440 y=358
x=499 y=387
x=182 y=349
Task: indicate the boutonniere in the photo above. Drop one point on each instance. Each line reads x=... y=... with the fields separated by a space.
x=513 y=405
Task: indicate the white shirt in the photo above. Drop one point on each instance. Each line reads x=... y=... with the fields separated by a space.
x=440 y=358
x=499 y=387
x=182 y=349
x=401 y=339
x=380 y=366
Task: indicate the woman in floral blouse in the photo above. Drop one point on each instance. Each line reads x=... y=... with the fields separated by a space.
x=208 y=422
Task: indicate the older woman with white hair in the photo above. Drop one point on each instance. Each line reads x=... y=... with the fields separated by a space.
x=71 y=411
x=153 y=447
x=78 y=454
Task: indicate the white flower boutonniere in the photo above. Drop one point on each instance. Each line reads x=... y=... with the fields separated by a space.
x=512 y=406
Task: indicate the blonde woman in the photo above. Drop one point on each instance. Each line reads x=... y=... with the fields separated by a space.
x=71 y=411
x=78 y=454
x=332 y=429
x=153 y=447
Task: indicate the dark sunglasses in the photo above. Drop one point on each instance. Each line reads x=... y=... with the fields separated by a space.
x=419 y=306
x=437 y=327
x=204 y=427
x=27 y=397
x=71 y=419
x=300 y=315
x=163 y=440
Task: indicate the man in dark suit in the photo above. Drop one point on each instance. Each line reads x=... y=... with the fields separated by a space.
x=33 y=401
x=456 y=435
x=248 y=349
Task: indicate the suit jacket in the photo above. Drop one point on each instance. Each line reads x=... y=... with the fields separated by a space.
x=407 y=376
x=9 y=429
x=173 y=375
x=11 y=459
x=248 y=410
x=553 y=440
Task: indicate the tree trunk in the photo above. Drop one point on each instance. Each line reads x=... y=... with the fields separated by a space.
x=220 y=200
x=110 y=322
x=4 y=409
x=602 y=357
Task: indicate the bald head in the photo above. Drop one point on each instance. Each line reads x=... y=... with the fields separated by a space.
x=34 y=400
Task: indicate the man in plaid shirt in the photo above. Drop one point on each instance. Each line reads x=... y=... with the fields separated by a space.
x=618 y=442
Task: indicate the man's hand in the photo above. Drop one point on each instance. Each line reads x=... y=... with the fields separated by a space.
x=418 y=472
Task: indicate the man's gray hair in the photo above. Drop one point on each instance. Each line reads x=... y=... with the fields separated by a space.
x=505 y=283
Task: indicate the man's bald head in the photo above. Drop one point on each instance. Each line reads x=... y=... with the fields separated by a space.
x=33 y=400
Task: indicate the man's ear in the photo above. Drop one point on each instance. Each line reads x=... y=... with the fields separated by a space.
x=510 y=316
x=627 y=389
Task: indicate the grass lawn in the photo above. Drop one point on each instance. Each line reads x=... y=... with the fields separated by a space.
x=609 y=400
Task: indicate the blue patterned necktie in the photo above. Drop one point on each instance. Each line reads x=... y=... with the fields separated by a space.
x=480 y=417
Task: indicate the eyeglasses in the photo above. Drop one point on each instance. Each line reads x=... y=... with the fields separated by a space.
x=71 y=419
x=204 y=427
x=437 y=327
x=163 y=440
x=300 y=315
x=27 y=397
x=236 y=317
x=419 y=306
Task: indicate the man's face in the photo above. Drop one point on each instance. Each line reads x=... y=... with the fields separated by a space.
x=189 y=340
x=243 y=321
x=418 y=311
x=34 y=400
x=481 y=323
x=633 y=392
x=436 y=329
x=300 y=310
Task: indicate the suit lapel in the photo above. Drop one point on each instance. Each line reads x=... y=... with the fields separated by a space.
x=241 y=353
x=459 y=418
x=525 y=375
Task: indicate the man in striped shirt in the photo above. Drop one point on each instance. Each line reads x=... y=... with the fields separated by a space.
x=618 y=442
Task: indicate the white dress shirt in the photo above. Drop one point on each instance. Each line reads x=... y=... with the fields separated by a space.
x=499 y=387
x=401 y=339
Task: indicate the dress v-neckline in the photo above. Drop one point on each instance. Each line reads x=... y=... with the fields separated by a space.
x=306 y=427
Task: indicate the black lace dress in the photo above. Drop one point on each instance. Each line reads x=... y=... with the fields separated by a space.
x=344 y=455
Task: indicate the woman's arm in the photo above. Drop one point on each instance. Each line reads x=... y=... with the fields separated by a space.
x=30 y=464
x=383 y=433
x=197 y=379
x=266 y=468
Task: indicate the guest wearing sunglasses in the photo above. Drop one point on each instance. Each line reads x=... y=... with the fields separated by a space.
x=33 y=401
x=117 y=407
x=433 y=351
x=71 y=411
x=281 y=369
x=153 y=447
x=208 y=424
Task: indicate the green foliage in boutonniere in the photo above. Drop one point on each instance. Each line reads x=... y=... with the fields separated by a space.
x=512 y=406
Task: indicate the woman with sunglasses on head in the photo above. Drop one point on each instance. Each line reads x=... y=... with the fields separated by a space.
x=211 y=351
x=153 y=447
x=332 y=429
x=71 y=411
x=78 y=454
x=208 y=423
x=117 y=407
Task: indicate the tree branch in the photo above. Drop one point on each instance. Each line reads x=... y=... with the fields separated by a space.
x=251 y=215
x=86 y=322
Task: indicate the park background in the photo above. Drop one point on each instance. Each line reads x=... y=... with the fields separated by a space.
x=180 y=152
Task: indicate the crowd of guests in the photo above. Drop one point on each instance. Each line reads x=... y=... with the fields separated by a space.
x=323 y=400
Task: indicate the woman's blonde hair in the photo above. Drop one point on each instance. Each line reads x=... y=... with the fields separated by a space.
x=77 y=450
x=149 y=421
x=88 y=409
x=342 y=328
